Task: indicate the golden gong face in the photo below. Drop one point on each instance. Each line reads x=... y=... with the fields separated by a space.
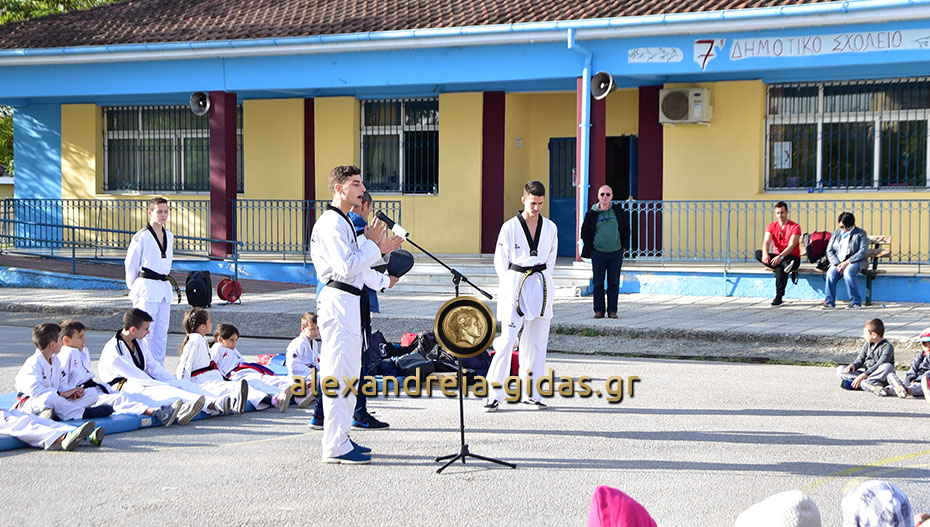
x=464 y=326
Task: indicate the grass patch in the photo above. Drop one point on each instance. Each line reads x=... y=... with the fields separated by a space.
x=579 y=331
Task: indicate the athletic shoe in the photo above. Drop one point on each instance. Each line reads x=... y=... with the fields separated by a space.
x=879 y=391
x=96 y=437
x=190 y=410
x=226 y=406
x=538 y=404
x=492 y=406
x=305 y=401
x=924 y=386
x=168 y=413
x=316 y=423
x=360 y=448
x=826 y=306
x=352 y=457
x=777 y=301
x=46 y=413
x=899 y=389
x=854 y=306
x=794 y=278
x=243 y=399
x=74 y=437
x=789 y=266
x=282 y=400
x=369 y=423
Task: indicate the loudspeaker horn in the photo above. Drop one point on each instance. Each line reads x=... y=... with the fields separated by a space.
x=200 y=103
x=602 y=84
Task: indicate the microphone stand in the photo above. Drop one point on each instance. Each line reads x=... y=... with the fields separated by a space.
x=463 y=452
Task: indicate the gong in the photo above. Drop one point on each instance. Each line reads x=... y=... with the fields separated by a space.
x=464 y=326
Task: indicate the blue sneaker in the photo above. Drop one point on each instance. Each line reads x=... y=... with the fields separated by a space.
x=360 y=448
x=353 y=457
x=316 y=423
x=370 y=423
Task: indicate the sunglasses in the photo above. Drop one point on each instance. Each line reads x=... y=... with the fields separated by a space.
x=606 y=194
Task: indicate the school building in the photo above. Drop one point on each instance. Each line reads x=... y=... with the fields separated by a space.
x=703 y=116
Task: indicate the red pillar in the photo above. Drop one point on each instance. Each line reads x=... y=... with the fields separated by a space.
x=222 y=170
x=309 y=167
x=597 y=161
x=649 y=163
x=492 y=169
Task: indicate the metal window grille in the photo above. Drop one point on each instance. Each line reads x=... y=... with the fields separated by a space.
x=400 y=145
x=160 y=149
x=848 y=135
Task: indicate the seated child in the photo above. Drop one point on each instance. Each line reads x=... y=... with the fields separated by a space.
x=791 y=508
x=265 y=389
x=877 y=504
x=75 y=365
x=915 y=382
x=39 y=382
x=126 y=365
x=44 y=433
x=874 y=363
x=195 y=364
x=303 y=355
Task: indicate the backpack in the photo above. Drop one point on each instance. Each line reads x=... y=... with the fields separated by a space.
x=199 y=289
x=816 y=244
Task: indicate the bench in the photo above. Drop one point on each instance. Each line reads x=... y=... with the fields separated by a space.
x=879 y=247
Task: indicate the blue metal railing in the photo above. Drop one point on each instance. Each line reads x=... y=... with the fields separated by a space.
x=731 y=231
x=15 y=234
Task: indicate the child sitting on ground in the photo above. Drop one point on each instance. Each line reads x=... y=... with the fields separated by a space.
x=265 y=389
x=195 y=364
x=303 y=355
x=874 y=363
x=45 y=433
x=916 y=380
x=75 y=365
x=39 y=382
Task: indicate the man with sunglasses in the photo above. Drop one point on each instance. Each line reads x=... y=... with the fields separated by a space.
x=784 y=236
x=848 y=254
x=605 y=232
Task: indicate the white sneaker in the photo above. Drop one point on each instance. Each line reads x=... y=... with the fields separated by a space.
x=899 y=389
x=924 y=386
x=74 y=437
x=282 y=400
x=305 y=401
x=168 y=413
x=538 y=404
x=190 y=410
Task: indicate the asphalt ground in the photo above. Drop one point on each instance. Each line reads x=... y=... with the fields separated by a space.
x=698 y=443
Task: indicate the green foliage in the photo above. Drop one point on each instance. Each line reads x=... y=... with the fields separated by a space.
x=6 y=139
x=17 y=10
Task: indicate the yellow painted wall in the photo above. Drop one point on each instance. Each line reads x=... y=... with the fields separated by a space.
x=336 y=122
x=6 y=191
x=450 y=222
x=81 y=135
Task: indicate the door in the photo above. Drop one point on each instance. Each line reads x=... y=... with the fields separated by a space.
x=562 y=191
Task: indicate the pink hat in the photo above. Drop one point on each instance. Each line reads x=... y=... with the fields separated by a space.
x=612 y=508
x=925 y=335
x=787 y=509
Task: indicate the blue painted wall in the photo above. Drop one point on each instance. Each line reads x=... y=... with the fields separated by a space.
x=37 y=160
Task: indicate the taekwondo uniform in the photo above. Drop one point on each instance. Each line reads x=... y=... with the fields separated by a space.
x=195 y=366
x=261 y=380
x=302 y=357
x=38 y=383
x=31 y=429
x=75 y=365
x=341 y=260
x=148 y=265
x=137 y=372
x=525 y=296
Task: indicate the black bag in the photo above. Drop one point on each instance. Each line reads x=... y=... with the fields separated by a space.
x=199 y=289
x=411 y=362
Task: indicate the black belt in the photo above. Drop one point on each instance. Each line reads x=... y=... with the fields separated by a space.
x=118 y=383
x=90 y=384
x=342 y=286
x=152 y=275
x=532 y=269
x=527 y=272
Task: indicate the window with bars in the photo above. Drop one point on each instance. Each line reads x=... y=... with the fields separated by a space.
x=160 y=149
x=400 y=145
x=848 y=135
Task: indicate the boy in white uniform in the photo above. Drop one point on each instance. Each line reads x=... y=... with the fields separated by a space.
x=525 y=255
x=148 y=264
x=126 y=365
x=40 y=382
x=303 y=356
x=341 y=260
x=75 y=364
x=44 y=433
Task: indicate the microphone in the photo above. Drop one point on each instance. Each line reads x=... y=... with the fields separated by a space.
x=395 y=227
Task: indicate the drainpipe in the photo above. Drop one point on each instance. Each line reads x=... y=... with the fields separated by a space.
x=582 y=172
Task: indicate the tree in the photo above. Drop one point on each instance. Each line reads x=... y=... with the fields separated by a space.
x=16 y=11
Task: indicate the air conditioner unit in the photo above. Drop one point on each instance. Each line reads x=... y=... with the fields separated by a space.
x=685 y=105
